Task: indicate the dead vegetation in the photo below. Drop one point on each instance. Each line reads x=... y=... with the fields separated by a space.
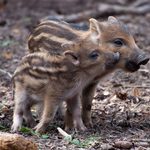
x=121 y=108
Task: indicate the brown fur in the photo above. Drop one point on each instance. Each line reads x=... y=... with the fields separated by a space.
x=56 y=37
x=52 y=79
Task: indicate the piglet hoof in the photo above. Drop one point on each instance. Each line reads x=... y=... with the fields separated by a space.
x=15 y=128
x=81 y=128
x=69 y=129
x=69 y=126
x=31 y=124
x=89 y=124
x=39 y=128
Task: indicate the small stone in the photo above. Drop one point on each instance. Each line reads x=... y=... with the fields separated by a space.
x=15 y=142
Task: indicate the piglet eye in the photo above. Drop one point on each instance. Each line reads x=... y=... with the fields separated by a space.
x=94 y=55
x=118 y=42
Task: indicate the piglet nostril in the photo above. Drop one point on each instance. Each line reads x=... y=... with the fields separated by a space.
x=144 y=61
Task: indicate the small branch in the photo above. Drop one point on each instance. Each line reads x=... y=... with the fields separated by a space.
x=136 y=86
x=141 y=140
x=5 y=72
x=103 y=9
x=65 y=134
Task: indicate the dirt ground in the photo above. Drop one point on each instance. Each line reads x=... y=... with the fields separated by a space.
x=121 y=106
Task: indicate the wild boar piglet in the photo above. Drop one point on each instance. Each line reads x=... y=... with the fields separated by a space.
x=51 y=79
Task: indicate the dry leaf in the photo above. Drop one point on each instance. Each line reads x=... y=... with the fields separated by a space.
x=7 y=55
x=16 y=31
x=5 y=109
x=121 y=95
x=123 y=144
x=136 y=92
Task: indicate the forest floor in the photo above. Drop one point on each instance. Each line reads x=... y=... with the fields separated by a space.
x=121 y=106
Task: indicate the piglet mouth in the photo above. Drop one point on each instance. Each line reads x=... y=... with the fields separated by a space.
x=132 y=66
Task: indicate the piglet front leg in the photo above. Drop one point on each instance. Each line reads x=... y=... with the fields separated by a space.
x=50 y=107
x=87 y=98
x=73 y=114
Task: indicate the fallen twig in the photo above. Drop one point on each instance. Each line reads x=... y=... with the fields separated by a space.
x=103 y=9
x=140 y=140
x=136 y=86
x=5 y=72
x=65 y=134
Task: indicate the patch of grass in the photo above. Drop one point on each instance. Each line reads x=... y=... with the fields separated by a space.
x=89 y=141
x=29 y=131
x=75 y=141
x=3 y=128
x=4 y=43
x=84 y=143
x=44 y=136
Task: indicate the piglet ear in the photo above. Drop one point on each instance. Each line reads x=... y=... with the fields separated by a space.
x=72 y=57
x=112 y=19
x=95 y=30
x=94 y=26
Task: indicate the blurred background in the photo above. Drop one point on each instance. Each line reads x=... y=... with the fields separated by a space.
x=121 y=106
x=18 y=18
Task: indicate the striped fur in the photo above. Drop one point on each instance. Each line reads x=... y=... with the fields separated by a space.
x=48 y=79
x=50 y=35
x=56 y=37
x=38 y=64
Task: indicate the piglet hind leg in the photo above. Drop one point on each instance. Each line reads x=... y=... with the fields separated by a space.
x=17 y=119
x=27 y=115
x=20 y=101
x=73 y=114
x=50 y=107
